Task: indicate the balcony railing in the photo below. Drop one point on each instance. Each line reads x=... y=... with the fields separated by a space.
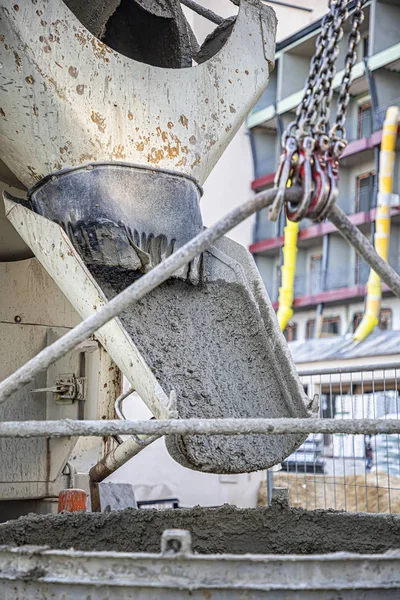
x=333 y=279
x=311 y=284
x=265 y=229
x=381 y=112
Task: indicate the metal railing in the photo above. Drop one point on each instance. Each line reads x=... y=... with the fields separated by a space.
x=309 y=284
x=363 y=201
x=345 y=471
x=380 y=113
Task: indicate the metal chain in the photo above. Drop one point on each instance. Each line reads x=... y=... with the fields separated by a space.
x=338 y=132
x=312 y=114
x=311 y=151
x=301 y=111
x=323 y=99
x=327 y=54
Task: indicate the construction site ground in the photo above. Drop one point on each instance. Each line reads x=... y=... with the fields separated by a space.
x=374 y=492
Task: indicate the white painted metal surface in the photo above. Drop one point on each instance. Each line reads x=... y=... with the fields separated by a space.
x=58 y=256
x=68 y=99
x=40 y=574
x=34 y=312
x=11 y=246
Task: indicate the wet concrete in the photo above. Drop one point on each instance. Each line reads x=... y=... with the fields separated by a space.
x=273 y=530
x=209 y=343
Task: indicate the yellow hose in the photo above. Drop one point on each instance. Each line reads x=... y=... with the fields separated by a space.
x=382 y=236
x=286 y=291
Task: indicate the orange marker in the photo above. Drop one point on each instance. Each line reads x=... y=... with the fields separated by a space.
x=72 y=500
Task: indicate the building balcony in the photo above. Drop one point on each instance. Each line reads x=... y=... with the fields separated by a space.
x=269 y=237
x=311 y=284
x=350 y=155
x=388 y=59
x=332 y=286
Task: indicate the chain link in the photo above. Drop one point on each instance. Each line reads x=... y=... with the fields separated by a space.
x=318 y=110
x=323 y=98
x=338 y=132
x=311 y=150
x=313 y=112
x=311 y=82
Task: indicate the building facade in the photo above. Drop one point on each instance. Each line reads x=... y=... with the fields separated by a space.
x=329 y=274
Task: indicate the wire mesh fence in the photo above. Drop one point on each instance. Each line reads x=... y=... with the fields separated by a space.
x=381 y=112
x=342 y=471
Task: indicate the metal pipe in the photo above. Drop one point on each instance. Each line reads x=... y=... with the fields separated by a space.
x=120 y=455
x=138 y=290
x=372 y=92
x=365 y=249
x=71 y=428
x=203 y=11
x=118 y=403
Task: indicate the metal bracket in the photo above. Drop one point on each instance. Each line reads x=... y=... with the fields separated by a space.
x=67 y=389
x=176 y=542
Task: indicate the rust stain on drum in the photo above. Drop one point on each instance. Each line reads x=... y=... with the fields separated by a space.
x=99 y=121
x=73 y=71
x=119 y=152
x=18 y=61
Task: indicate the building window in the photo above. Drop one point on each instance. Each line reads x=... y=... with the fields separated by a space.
x=310 y=329
x=365 y=46
x=290 y=332
x=362 y=271
x=281 y=223
x=385 y=320
x=357 y=318
x=330 y=327
x=277 y=282
x=365 y=186
x=364 y=128
x=315 y=274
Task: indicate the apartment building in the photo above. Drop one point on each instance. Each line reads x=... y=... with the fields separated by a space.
x=329 y=274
